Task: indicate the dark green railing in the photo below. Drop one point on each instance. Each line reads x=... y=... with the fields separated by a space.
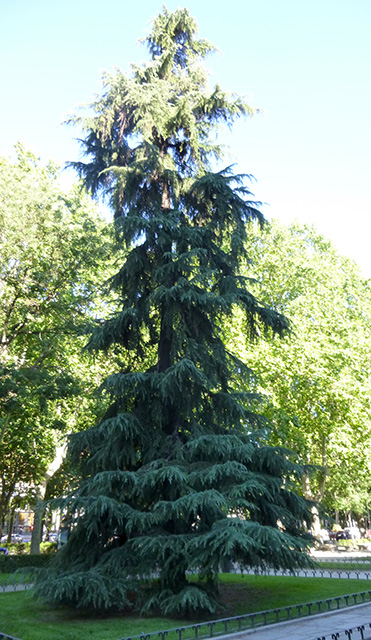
x=238 y=624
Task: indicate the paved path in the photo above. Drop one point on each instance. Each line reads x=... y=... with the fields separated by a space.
x=316 y=627
x=321 y=626
x=14 y=587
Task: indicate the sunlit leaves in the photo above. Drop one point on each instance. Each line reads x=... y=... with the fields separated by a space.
x=318 y=380
x=52 y=246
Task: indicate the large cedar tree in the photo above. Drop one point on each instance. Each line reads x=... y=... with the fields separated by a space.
x=176 y=478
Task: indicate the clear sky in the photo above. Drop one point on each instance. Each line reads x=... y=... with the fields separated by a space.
x=304 y=63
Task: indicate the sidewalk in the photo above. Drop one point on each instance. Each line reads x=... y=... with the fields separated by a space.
x=316 y=627
x=11 y=588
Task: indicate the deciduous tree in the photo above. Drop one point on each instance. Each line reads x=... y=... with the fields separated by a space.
x=318 y=379
x=52 y=248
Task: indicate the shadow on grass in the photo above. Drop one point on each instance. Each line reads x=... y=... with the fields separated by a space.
x=23 y=616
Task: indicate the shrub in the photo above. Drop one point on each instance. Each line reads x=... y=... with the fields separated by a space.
x=11 y=563
x=21 y=548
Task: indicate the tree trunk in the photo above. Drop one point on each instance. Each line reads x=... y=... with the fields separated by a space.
x=39 y=507
x=38 y=517
x=308 y=493
x=10 y=524
x=5 y=498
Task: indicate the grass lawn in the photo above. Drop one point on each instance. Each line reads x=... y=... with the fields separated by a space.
x=351 y=565
x=13 y=578
x=28 y=619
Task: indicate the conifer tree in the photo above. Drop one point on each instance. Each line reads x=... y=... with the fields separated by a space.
x=177 y=478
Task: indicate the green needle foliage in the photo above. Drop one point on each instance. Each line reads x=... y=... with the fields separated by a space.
x=177 y=478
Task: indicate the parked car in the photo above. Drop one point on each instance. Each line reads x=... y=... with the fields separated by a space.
x=50 y=537
x=348 y=533
x=353 y=532
x=15 y=537
x=62 y=537
x=341 y=535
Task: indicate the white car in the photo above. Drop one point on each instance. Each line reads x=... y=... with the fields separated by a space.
x=352 y=532
x=15 y=537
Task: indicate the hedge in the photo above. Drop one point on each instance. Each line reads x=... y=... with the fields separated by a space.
x=11 y=563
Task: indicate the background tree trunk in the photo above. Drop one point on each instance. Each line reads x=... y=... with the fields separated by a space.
x=39 y=507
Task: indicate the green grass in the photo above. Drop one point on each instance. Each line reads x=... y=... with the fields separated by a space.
x=28 y=619
x=11 y=578
x=351 y=565
x=247 y=594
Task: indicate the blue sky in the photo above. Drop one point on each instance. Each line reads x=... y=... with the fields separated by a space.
x=304 y=63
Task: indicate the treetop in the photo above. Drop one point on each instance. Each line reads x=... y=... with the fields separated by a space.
x=173 y=32
x=161 y=121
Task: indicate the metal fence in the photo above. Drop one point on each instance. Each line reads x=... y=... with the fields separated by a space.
x=358 y=568
x=353 y=560
x=5 y=587
x=316 y=572
x=238 y=624
x=349 y=634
